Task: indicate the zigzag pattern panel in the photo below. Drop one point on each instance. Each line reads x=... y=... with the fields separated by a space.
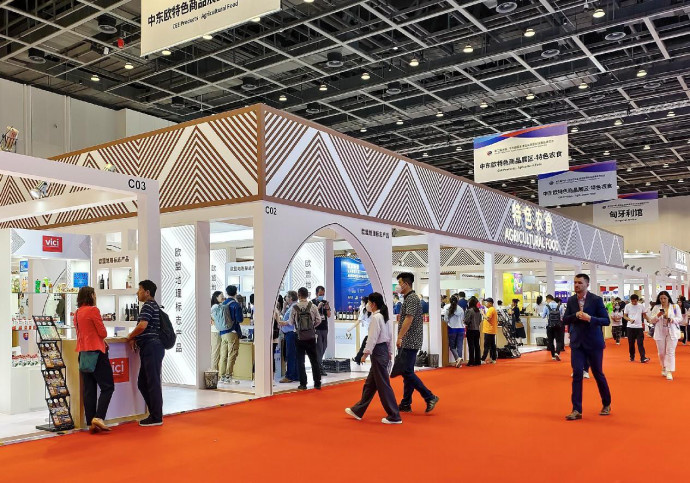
x=463 y=257
x=404 y=202
x=124 y=156
x=397 y=256
x=324 y=187
x=411 y=260
x=493 y=207
x=282 y=136
x=446 y=254
x=598 y=253
x=574 y=247
x=561 y=229
x=617 y=252
x=155 y=152
x=587 y=234
x=11 y=192
x=440 y=190
x=465 y=221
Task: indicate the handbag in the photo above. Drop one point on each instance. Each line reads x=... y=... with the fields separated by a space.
x=519 y=325
x=87 y=359
x=398 y=365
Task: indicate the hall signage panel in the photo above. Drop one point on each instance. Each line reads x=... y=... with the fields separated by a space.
x=580 y=184
x=673 y=258
x=166 y=23
x=527 y=152
x=531 y=228
x=628 y=209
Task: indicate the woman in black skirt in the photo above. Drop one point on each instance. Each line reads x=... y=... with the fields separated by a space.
x=518 y=326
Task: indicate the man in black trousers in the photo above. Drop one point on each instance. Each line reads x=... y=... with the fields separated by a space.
x=304 y=316
x=586 y=315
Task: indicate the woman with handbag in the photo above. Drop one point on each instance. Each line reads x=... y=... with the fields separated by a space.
x=666 y=318
x=94 y=363
x=518 y=326
x=380 y=346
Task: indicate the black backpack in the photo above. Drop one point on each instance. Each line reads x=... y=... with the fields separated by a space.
x=305 y=324
x=554 y=318
x=167 y=333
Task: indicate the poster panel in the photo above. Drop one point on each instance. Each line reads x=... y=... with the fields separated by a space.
x=527 y=152
x=165 y=23
x=580 y=184
x=351 y=284
x=628 y=209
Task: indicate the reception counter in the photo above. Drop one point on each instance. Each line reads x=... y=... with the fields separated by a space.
x=126 y=403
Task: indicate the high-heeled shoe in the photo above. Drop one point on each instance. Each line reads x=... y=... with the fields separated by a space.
x=100 y=424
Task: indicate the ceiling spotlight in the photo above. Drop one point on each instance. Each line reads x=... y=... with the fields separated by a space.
x=394 y=88
x=530 y=96
x=606 y=153
x=458 y=148
x=575 y=129
x=506 y=7
x=439 y=114
x=629 y=170
x=323 y=87
x=365 y=76
x=598 y=13
x=468 y=49
x=256 y=19
x=313 y=108
x=615 y=33
x=425 y=155
x=529 y=32
x=671 y=114
x=532 y=181
x=249 y=83
x=681 y=180
x=110 y=167
x=335 y=60
x=414 y=62
x=282 y=98
x=532 y=196
x=95 y=78
x=37 y=56
x=484 y=105
x=646 y=147
x=107 y=25
x=648 y=183
x=177 y=102
x=583 y=85
x=584 y=204
x=503 y=185
x=40 y=191
x=166 y=52
x=641 y=73
x=549 y=50
x=363 y=129
x=207 y=37
x=618 y=122
x=399 y=122
x=129 y=66
x=665 y=196
x=471 y=171
x=665 y=165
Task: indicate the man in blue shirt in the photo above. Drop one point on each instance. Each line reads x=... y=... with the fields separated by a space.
x=397 y=305
x=289 y=334
x=461 y=301
x=230 y=338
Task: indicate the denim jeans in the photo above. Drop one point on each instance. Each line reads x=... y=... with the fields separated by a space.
x=291 y=356
x=456 y=341
x=151 y=352
x=411 y=381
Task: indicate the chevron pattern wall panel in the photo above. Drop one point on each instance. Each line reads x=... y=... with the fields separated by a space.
x=309 y=166
x=214 y=161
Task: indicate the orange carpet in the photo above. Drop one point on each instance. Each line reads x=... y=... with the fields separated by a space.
x=493 y=423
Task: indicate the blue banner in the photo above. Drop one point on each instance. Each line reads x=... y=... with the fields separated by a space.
x=351 y=284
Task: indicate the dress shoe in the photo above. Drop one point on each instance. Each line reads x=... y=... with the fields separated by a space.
x=645 y=360
x=574 y=415
x=100 y=424
x=558 y=357
x=405 y=408
x=301 y=388
x=605 y=411
x=431 y=404
x=285 y=380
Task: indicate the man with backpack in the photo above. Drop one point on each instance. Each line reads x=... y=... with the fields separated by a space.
x=554 y=328
x=304 y=316
x=230 y=335
x=324 y=309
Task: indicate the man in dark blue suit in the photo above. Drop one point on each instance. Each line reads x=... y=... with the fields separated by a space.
x=586 y=315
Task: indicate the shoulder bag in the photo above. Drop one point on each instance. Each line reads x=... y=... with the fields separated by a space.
x=87 y=359
x=398 y=365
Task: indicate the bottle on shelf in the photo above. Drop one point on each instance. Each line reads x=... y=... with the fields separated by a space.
x=128 y=283
x=101 y=283
x=126 y=313
x=37 y=287
x=107 y=283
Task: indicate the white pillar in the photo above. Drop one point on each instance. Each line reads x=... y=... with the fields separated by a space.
x=435 y=336
x=621 y=286
x=593 y=279
x=550 y=278
x=264 y=304
x=489 y=270
x=6 y=332
x=149 y=242
x=329 y=283
x=652 y=288
x=202 y=259
x=645 y=290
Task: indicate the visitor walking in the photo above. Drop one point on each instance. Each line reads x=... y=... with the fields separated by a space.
x=473 y=322
x=617 y=323
x=682 y=303
x=633 y=313
x=324 y=308
x=305 y=318
x=217 y=320
x=490 y=329
x=380 y=348
x=455 y=318
x=554 y=328
x=666 y=318
x=288 y=331
x=362 y=319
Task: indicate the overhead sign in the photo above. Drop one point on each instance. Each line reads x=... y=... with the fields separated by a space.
x=673 y=258
x=52 y=244
x=527 y=152
x=46 y=244
x=165 y=23
x=580 y=184
x=530 y=227
x=631 y=208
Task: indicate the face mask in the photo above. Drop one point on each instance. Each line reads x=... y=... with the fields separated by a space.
x=319 y=298
x=398 y=289
x=369 y=308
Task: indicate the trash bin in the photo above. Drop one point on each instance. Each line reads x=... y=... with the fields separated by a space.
x=211 y=379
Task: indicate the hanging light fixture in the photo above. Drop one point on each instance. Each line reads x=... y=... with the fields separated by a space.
x=484 y=105
x=40 y=191
x=575 y=129
x=529 y=32
x=646 y=147
x=439 y=114
x=468 y=49
x=599 y=13
x=363 y=129
x=399 y=122
x=458 y=148
x=641 y=73
x=414 y=62
x=129 y=66
x=95 y=78
x=323 y=87
x=618 y=122
x=583 y=85
x=207 y=37
x=166 y=52
x=365 y=76
x=530 y=96
x=425 y=155
x=606 y=153
x=256 y=19
x=671 y=114
x=282 y=98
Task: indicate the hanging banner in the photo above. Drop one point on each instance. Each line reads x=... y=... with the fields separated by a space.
x=631 y=208
x=580 y=184
x=165 y=23
x=351 y=284
x=527 y=152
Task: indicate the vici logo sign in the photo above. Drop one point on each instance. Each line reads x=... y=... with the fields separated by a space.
x=120 y=369
x=52 y=244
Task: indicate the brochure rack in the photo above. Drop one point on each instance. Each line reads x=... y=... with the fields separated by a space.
x=53 y=370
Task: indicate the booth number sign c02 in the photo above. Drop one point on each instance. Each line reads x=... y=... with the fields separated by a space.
x=136 y=184
x=271 y=210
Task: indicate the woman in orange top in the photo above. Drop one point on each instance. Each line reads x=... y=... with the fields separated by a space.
x=91 y=336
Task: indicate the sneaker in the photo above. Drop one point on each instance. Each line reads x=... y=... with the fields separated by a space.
x=558 y=357
x=632 y=360
x=618 y=343
x=483 y=362
x=669 y=376
x=352 y=413
x=663 y=372
x=585 y=375
x=405 y=408
x=605 y=411
x=301 y=387
x=317 y=386
x=150 y=422
x=285 y=380
x=553 y=358
x=574 y=416
x=431 y=404
x=492 y=361
x=388 y=421
x=645 y=360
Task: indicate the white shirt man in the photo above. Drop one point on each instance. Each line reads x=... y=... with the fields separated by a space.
x=634 y=312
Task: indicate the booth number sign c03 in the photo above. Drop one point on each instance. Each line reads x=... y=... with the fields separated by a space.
x=136 y=184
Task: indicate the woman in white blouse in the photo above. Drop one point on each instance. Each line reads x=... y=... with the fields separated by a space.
x=454 y=317
x=379 y=345
x=666 y=318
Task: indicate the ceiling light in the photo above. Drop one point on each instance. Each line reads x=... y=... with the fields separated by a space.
x=606 y=153
x=575 y=129
x=95 y=78
x=363 y=129
x=439 y=114
x=468 y=49
x=529 y=32
x=584 y=204
x=177 y=102
x=129 y=66
x=365 y=76
x=308 y=1
x=110 y=167
x=313 y=108
x=646 y=147
x=629 y=170
x=40 y=191
x=583 y=85
x=484 y=105
x=37 y=56
x=665 y=165
x=532 y=196
x=335 y=60
x=166 y=52
x=425 y=155
x=503 y=185
x=598 y=13
x=107 y=25
x=532 y=181
x=641 y=73
x=256 y=19
x=615 y=33
x=399 y=122
x=530 y=96
x=671 y=114
x=618 y=187
x=681 y=181
x=471 y=171
x=549 y=50
x=458 y=148
x=648 y=183
x=618 y=122
x=652 y=85
x=393 y=88
x=207 y=37
x=414 y=62
x=323 y=87
x=282 y=98
x=506 y=7
x=249 y=83
x=665 y=196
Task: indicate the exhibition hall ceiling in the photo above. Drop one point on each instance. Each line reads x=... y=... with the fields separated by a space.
x=419 y=77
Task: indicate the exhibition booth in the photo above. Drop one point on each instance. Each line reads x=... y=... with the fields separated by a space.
x=302 y=205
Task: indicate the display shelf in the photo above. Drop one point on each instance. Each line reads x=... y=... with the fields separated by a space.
x=122 y=292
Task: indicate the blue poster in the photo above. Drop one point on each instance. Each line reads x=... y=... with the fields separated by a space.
x=351 y=284
x=23 y=265
x=81 y=279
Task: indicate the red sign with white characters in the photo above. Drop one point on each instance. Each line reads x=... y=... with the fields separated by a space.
x=52 y=244
x=120 y=369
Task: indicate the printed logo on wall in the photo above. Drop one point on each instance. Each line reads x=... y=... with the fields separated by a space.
x=120 y=367
x=165 y=23
x=52 y=244
x=527 y=152
x=532 y=228
x=23 y=265
x=628 y=209
x=580 y=184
